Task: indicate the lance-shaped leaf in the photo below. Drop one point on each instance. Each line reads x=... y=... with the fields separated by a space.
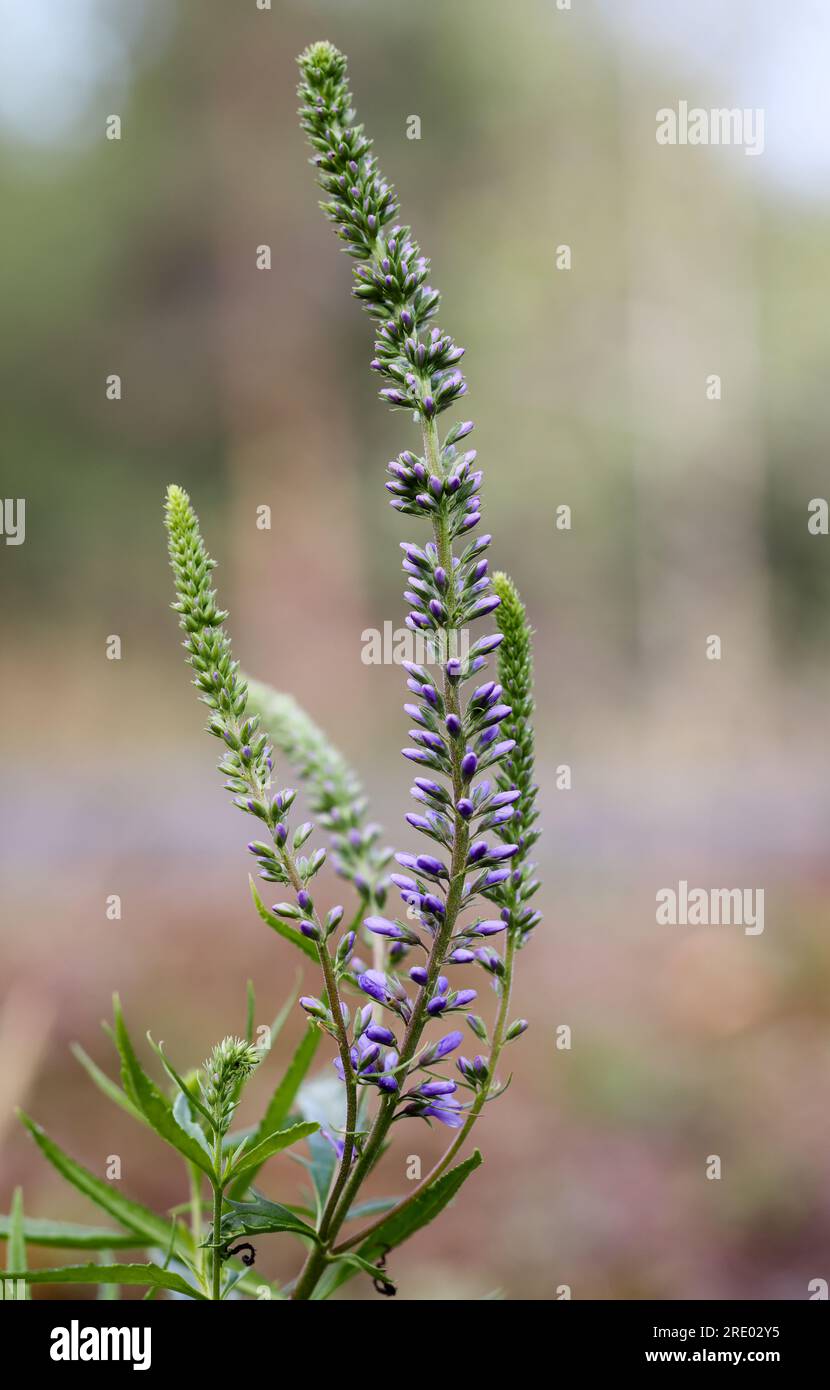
x=16 y=1251
x=68 y=1235
x=133 y=1216
x=153 y=1276
x=261 y=1217
x=401 y=1224
x=279 y=1106
x=153 y=1105
x=282 y=928
x=253 y=1158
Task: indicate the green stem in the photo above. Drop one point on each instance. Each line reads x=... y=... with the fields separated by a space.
x=216 y=1264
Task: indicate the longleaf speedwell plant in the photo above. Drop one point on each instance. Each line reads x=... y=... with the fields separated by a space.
x=393 y=1020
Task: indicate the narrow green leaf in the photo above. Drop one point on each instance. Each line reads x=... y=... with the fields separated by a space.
x=283 y=1139
x=354 y=1263
x=149 y=1274
x=375 y=1207
x=65 y=1234
x=186 y=1092
x=149 y=1099
x=131 y=1215
x=400 y=1225
x=284 y=930
x=262 y=1217
x=105 y=1084
x=16 y=1251
x=279 y=1106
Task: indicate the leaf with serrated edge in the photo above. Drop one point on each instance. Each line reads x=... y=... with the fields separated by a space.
x=275 y=1143
x=150 y=1274
x=67 y=1235
x=131 y=1215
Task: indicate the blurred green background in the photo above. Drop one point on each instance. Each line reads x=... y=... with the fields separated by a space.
x=251 y=387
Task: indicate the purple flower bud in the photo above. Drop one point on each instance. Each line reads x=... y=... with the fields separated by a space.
x=461 y=956
x=373 y=983
x=442 y=1049
x=477 y=852
x=379 y=1034
x=387 y=1083
x=463 y=998
x=453 y=724
x=469 y=763
x=433 y=905
x=304 y=900
x=516 y=1029
x=437 y=1005
x=495 y=876
x=432 y=788
x=465 y=808
x=437 y=1088
x=312 y=1006
x=488 y=928
x=429 y=865
x=418 y=974
x=310 y=930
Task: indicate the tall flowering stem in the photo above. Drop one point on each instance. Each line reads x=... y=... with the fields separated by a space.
x=457 y=736
x=247 y=764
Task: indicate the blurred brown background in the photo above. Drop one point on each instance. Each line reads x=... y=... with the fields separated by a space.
x=587 y=386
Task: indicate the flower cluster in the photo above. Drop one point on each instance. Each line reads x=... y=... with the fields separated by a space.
x=222 y=1077
x=516 y=776
x=421 y=372
x=247 y=761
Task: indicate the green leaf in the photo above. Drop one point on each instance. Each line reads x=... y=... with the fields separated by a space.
x=400 y=1225
x=16 y=1252
x=262 y=1217
x=253 y=1158
x=322 y=1166
x=284 y=930
x=357 y=1263
x=375 y=1207
x=186 y=1092
x=131 y=1215
x=65 y=1234
x=149 y=1274
x=279 y=1106
x=104 y=1083
x=150 y=1101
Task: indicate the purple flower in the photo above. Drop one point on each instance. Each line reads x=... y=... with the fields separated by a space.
x=373 y=983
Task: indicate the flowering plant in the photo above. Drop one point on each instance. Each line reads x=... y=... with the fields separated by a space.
x=394 y=1019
